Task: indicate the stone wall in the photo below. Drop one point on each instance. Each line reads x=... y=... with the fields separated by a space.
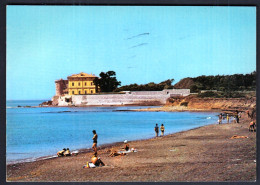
x=61 y=85
x=129 y=98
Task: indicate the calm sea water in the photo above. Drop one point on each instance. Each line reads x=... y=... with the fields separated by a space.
x=36 y=132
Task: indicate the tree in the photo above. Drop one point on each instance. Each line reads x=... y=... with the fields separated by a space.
x=107 y=81
x=167 y=84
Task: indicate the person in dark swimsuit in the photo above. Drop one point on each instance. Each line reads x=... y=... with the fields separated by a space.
x=94 y=146
x=156 y=129
x=126 y=147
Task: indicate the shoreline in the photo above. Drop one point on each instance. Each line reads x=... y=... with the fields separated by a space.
x=204 y=153
x=125 y=105
x=89 y=150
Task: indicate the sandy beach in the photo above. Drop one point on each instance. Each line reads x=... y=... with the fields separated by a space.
x=203 y=154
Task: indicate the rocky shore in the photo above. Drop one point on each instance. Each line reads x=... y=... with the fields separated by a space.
x=192 y=103
x=204 y=154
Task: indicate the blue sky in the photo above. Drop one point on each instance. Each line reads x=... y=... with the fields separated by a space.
x=141 y=44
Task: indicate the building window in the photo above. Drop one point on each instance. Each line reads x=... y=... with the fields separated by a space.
x=72 y=92
x=85 y=83
x=91 y=83
x=72 y=84
x=79 y=92
x=91 y=92
x=85 y=92
x=79 y=83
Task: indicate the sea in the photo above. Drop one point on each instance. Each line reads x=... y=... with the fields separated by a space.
x=38 y=133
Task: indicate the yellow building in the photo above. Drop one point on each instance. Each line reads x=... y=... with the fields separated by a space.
x=81 y=83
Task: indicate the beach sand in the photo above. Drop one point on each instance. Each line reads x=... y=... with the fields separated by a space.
x=203 y=154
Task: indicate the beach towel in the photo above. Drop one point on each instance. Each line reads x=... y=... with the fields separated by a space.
x=76 y=152
x=89 y=165
x=128 y=151
x=238 y=137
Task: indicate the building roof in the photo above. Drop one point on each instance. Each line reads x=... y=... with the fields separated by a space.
x=83 y=75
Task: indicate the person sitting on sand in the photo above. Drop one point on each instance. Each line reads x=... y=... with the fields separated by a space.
x=67 y=152
x=61 y=153
x=94 y=146
x=126 y=147
x=156 y=129
x=252 y=126
x=162 y=130
x=96 y=160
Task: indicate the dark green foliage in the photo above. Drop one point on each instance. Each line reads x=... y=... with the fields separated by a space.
x=167 y=84
x=225 y=83
x=227 y=94
x=209 y=94
x=107 y=81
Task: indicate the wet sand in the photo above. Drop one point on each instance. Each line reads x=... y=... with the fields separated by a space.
x=203 y=154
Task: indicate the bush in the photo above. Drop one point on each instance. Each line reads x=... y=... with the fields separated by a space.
x=209 y=94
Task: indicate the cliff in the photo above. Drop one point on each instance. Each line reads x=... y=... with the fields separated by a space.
x=193 y=102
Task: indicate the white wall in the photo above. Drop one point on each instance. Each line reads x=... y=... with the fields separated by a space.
x=132 y=97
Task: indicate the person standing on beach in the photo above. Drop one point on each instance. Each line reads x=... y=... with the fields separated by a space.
x=220 y=118
x=156 y=129
x=248 y=114
x=162 y=130
x=227 y=118
x=236 y=116
x=94 y=146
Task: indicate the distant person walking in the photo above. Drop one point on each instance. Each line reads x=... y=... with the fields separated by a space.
x=227 y=118
x=162 y=130
x=248 y=114
x=220 y=118
x=94 y=146
x=156 y=129
x=237 y=116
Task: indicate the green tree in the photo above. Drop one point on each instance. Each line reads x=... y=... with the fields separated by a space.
x=107 y=81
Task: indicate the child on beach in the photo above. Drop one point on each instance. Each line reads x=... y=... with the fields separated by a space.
x=162 y=130
x=94 y=146
x=156 y=129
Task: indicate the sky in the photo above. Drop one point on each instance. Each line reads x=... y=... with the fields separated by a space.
x=141 y=44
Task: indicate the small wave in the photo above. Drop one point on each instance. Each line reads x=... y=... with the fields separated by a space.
x=60 y=112
x=48 y=157
x=208 y=117
x=31 y=159
x=22 y=161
